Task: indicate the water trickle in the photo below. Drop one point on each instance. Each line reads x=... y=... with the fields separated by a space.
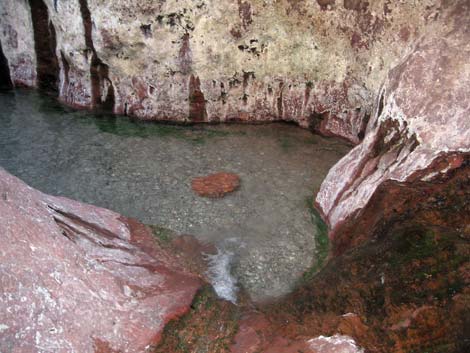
x=220 y=274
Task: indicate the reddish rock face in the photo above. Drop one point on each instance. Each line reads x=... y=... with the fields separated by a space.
x=419 y=131
x=78 y=278
x=216 y=185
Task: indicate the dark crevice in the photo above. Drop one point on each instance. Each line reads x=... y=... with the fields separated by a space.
x=106 y=89
x=75 y=220
x=279 y=100
x=102 y=90
x=45 y=46
x=5 y=79
x=197 y=101
x=315 y=120
x=365 y=122
x=381 y=105
x=70 y=229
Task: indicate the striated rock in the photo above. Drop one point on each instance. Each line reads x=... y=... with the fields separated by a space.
x=419 y=131
x=316 y=63
x=215 y=185
x=78 y=278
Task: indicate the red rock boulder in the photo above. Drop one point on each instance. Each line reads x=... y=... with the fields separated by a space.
x=215 y=185
x=78 y=278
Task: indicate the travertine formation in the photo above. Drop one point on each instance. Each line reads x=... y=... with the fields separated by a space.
x=78 y=278
x=317 y=63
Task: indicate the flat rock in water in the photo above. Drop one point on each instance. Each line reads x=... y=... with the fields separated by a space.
x=78 y=278
x=215 y=185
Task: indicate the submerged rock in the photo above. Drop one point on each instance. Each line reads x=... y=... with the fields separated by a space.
x=78 y=278
x=215 y=185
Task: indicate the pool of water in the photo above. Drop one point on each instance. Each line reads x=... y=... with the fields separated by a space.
x=264 y=231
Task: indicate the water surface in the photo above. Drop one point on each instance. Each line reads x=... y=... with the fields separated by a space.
x=144 y=170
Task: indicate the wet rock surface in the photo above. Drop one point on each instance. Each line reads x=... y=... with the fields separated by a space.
x=78 y=278
x=414 y=299
x=392 y=77
x=145 y=171
x=215 y=185
x=419 y=131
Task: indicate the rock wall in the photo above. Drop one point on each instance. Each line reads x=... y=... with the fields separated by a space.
x=390 y=74
x=17 y=38
x=317 y=63
x=419 y=132
x=78 y=278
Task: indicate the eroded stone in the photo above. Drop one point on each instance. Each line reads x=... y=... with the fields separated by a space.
x=78 y=278
x=419 y=132
x=215 y=185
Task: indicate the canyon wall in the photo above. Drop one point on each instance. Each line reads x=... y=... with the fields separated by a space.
x=317 y=63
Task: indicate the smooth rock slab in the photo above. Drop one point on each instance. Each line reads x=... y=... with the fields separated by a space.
x=78 y=278
x=215 y=185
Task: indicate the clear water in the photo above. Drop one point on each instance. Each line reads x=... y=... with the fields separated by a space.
x=144 y=170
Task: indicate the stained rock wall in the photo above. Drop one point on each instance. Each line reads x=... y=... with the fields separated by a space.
x=317 y=63
x=419 y=132
x=390 y=74
x=78 y=278
x=17 y=37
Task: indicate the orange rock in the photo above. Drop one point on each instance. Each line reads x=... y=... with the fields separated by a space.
x=215 y=185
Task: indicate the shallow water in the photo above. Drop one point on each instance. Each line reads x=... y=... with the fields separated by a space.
x=144 y=170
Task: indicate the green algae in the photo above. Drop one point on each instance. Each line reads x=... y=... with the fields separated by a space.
x=322 y=243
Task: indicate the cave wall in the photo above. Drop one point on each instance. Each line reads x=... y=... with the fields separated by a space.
x=419 y=133
x=389 y=76
x=45 y=46
x=17 y=37
x=317 y=63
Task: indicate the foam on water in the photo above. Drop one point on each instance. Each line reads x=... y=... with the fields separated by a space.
x=220 y=274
